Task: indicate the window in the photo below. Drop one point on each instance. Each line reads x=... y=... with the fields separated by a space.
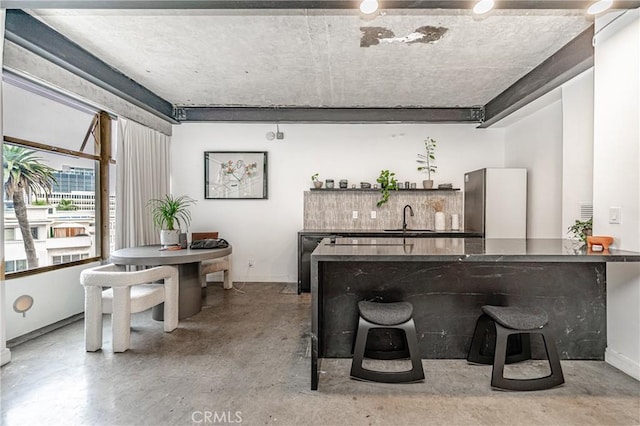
x=15 y=265
x=9 y=234
x=63 y=207
x=57 y=260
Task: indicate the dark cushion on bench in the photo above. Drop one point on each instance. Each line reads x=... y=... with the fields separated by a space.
x=517 y=318
x=386 y=313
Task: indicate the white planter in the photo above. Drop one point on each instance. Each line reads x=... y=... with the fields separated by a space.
x=440 y=223
x=170 y=237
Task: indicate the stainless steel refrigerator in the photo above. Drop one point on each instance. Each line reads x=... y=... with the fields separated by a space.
x=495 y=202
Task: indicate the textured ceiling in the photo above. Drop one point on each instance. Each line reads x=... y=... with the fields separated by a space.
x=318 y=58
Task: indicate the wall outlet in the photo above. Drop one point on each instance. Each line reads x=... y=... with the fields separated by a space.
x=251 y=263
x=614 y=214
x=354 y=214
x=373 y=214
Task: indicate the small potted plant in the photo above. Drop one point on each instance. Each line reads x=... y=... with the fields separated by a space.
x=426 y=160
x=581 y=229
x=169 y=214
x=387 y=183
x=317 y=183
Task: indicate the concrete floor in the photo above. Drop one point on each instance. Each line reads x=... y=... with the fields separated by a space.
x=244 y=359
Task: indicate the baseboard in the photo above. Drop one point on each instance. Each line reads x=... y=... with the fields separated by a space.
x=5 y=356
x=44 y=330
x=622 y=363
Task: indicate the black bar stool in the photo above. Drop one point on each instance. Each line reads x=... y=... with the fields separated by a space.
x=396 y=315
x=508 y=321
x=483 y=345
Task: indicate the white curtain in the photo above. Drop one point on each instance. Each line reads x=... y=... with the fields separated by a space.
x=142 y=173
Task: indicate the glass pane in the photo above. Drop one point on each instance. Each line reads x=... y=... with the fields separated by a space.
x=64 y=220
x=35 y=118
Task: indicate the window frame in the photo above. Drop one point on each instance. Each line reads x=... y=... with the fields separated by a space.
x=103 y=158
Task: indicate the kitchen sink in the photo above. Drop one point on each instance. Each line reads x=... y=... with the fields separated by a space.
x=372 y=244
x=408 y=230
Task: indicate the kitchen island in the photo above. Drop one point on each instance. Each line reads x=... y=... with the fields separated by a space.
x=448 y=279
x=308 y=240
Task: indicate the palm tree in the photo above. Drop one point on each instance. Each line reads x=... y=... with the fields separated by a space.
x=25 y=174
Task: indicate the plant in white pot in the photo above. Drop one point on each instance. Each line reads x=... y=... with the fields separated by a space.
x=426 y=160
x=317 y=183
x=169 y=214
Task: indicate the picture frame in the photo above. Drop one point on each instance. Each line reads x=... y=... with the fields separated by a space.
x=237 y=175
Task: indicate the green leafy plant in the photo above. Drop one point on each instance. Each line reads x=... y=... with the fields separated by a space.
x=171 y=211
x=387 y=183
x=581 y=229
x=425 y=160
x=314 y=177
x=66 y=205
x=40 y=203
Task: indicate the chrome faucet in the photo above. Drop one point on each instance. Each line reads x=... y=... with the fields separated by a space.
x=404 y=216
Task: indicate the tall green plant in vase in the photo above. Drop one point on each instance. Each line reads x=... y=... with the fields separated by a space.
x=169 y=214
x=426 y=160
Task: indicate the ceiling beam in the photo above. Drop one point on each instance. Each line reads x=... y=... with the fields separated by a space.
x=299 y=4
x=571 y=60
x=329 y=115
x=31 y=34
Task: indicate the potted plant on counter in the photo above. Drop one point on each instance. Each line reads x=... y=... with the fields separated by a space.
x=169 y=214
x=317 y=183
x=581 y=229
x=425 y=161
x=387 y=183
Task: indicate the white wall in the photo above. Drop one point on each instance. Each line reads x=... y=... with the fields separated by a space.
x=265 y=230
x=535 y=142
x=56 y=295
x=577 y=147
x=616 y=177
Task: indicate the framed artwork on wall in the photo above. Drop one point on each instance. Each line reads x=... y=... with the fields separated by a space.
x=235 y=175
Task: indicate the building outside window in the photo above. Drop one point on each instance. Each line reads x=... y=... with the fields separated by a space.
x=15 y=265
x=9 y=234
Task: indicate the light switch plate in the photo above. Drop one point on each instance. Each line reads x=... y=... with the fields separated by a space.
x=614 y=214
x=354 y=214
x=373 y=214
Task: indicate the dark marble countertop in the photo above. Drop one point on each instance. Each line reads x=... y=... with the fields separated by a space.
x=464 y=250
x=418 y=233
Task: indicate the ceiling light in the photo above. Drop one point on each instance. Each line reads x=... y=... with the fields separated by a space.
x=368 y=6
x=483 y=6
x=599 y=7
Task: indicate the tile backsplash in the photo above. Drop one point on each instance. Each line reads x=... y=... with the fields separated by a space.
x=325 y=210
